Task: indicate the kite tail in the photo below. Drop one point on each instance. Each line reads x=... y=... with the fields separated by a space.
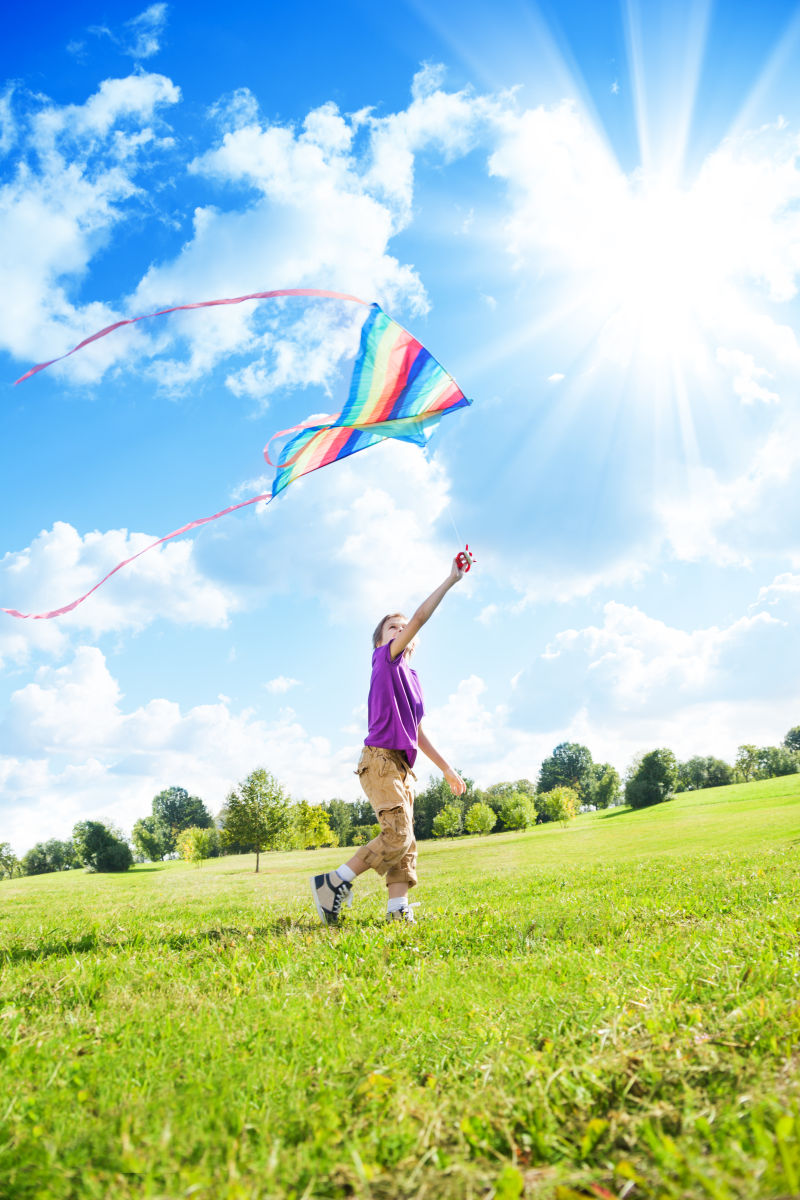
x=59 y=612
x=317 y=293
x=398 y=390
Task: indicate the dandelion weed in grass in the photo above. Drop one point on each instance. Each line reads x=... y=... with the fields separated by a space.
x=178 y=1032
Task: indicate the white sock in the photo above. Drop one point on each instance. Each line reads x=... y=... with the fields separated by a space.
x=345 y=873
x=397 y=904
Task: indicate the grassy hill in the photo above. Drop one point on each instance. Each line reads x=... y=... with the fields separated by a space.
x=610 y=1009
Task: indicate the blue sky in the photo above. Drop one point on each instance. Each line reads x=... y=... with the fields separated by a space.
x=589 y=213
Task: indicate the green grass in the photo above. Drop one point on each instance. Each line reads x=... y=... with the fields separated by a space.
x=610 y=1009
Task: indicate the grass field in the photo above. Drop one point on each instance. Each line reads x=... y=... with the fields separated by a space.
x=610 y=1009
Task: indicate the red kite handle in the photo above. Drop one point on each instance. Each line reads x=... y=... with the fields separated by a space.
x=465 y=558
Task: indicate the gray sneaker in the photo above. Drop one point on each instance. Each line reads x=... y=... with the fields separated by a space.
x=329 y=897
x=402 y=914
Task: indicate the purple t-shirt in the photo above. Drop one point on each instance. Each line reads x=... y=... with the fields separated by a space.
x=395 y=704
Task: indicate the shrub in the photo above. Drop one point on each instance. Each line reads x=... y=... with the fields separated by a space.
x=152 y=839
x=652 y=780
x=480 y=818
x=98 y=848
x=447 y=823
x=519 y=811
x=607 y=785
x=196 y=844
x=559 y=804
x=310 y=827
x=363 y=834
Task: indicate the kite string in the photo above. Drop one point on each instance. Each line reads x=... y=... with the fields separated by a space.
x=453 y=523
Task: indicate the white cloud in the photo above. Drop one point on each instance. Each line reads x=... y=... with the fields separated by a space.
x=75 y=746
x=146 y=31
x=236 y=110
x=746 y=376
x=141 y=37
x=492 y=744
x=704 y=727
x=552 y=161
x=8 y=124
x=785 y=586
x=60 y=565
x=568 y=583
x=377 y=518
x=314 y=223
x=481 y=740
x=328 y=198
x=638 y=654
x=727 y=521
x=75 y=180
x=451 y=123
x=656 y=270
x=281 y=684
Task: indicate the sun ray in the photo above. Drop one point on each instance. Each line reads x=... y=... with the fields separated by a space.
x=782 y=58
x=666 y=66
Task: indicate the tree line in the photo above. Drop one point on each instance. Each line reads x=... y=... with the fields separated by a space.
x=259 y=815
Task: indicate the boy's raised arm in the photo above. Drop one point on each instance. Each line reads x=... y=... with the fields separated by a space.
x=425 y=611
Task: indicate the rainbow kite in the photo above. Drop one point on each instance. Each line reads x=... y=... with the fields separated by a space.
x=397 y=390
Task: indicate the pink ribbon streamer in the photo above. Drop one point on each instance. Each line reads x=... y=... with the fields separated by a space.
x=319 y=293
x=59 y=612
x=316 y=292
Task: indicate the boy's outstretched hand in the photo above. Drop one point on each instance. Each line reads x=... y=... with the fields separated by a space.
x=457 y=572
x=457 y=785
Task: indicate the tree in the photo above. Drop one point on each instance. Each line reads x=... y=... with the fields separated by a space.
x=495 y=795
x=570 y=765
x=175 y=809
x=434 y=798
x=365 y=833
x=256 y=813
x=480 y=818
x=152 y=838
x=792 y=739
x=9 y=864
x=718 y=772
x=448 y=821
x=747 y=761
x=777 y=760
x=341 y=818
x=196 y=844
x=699 y=772
x=607 y=785
x=34 y=861
x=559 y=804
x=49 y=856
x=310 y=827
x=654 y=779
x=518 y=811
x=98 y=848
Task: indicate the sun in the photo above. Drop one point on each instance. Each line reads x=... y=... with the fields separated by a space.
x=668 y=280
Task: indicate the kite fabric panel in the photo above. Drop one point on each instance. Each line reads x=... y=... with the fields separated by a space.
x=397 y=390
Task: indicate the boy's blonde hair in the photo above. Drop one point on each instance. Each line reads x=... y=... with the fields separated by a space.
x=376 y=637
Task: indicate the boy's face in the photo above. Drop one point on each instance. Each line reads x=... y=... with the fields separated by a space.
x=391 y=627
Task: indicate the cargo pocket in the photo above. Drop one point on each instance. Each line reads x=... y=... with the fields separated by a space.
x=362 y=765
x=397 y=836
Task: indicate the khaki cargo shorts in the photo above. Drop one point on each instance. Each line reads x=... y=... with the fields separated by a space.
x=386 y=779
